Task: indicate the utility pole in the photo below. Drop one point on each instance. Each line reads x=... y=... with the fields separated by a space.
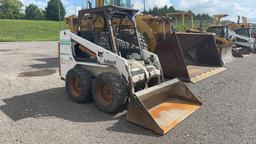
x=90 y=4
x=59 y=15
x=75 y=9
x=144 y=6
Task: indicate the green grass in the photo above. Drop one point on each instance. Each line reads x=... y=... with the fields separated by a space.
x=28 y=30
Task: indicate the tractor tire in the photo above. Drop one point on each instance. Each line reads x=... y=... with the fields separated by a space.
x=79 y=84
x=153 y=82
x=109 y=92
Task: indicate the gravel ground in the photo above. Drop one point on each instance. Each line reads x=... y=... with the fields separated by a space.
x=34 y=107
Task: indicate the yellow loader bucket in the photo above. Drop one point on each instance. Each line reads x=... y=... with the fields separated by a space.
x=225 y=48
x=226 y=54
x=189 y=56
x=162 y=107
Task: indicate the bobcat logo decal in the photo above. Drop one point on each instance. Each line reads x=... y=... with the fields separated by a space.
x=100 y=54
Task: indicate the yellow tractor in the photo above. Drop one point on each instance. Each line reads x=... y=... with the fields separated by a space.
x=153 y=29
x=234 y=26
x=183 y=16
x=225 y=45
x=71 y=23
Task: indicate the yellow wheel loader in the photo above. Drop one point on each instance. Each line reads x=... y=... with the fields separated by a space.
x=225 y=45
x=104 y=61
x=153 y=29
x=71 y=23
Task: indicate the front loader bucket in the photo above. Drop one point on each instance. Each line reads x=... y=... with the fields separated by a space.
x=162 y=107
x=189 y=56
x=225 y=48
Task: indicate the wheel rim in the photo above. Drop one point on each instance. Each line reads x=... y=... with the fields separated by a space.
x=75 y=86
x=105 y=94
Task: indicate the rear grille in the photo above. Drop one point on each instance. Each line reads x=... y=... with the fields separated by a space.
x=137 y=72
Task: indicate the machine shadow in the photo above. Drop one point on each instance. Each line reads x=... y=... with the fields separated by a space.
x=55 y=103
x=48 y=63
x=52 y=102
x=124 y=126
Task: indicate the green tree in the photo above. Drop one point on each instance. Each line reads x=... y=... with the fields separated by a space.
x=52 y=10
x=11 y=9
x=32 y=12
x=161 y=11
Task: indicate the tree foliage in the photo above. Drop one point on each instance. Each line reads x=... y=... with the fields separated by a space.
x=205 y=16
x=11 y=9
x=162 y=12
x=32 y=12
x=52 y=10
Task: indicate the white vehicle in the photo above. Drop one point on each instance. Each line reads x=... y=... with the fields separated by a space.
x=243 y=38
x=104 y=61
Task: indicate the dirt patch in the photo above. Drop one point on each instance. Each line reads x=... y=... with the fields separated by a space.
x=37 y=73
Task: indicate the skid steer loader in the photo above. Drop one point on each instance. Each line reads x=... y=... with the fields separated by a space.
x=103 y=60
x=243 y=38
x=241 y=34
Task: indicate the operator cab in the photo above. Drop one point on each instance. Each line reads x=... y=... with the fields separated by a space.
x=220 y=31
x=121 y=3
x=244 y=32
x=112 y=28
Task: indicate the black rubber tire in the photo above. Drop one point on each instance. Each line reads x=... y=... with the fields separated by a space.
x=154 y=81
x=118 y=92
x=85 y=79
